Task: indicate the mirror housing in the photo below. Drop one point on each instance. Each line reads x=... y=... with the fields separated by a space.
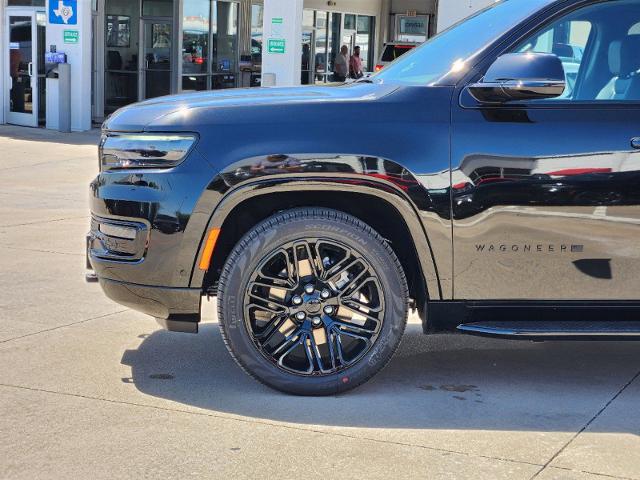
x=521 y=76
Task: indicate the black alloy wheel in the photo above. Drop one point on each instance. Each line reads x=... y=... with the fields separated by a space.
x=312 y=301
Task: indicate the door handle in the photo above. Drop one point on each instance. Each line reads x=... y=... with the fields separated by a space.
x=30 y=69
x=635 y=143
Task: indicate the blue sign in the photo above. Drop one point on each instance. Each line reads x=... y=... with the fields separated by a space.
x=63 y=12
x=55 y=57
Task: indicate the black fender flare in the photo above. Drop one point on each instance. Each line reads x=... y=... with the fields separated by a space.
x=311 y=182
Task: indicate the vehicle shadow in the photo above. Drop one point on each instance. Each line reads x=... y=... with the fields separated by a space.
x=440 y=381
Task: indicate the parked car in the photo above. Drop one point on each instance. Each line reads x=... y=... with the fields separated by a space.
x=392 y=51
x=471 y=189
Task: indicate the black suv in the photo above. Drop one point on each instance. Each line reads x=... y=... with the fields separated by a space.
x=489 y=179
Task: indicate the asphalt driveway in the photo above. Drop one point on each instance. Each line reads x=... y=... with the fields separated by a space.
x=90 y=389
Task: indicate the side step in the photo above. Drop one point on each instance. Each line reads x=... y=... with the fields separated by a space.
x=555 y=330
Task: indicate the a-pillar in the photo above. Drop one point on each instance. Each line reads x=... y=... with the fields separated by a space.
x=282 y=42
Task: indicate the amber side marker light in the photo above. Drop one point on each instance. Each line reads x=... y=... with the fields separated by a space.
x=205 y=261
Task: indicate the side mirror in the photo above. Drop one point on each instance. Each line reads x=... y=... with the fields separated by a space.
x=521 y=76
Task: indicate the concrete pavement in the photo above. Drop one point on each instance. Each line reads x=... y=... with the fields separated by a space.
x=91 y=389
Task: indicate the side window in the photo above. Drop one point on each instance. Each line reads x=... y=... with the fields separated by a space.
x=568 y=40
x=599 y=48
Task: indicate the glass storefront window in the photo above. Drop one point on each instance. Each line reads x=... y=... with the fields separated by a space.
x=257 y=18
x=157 y=8
x=194 y=83
x=320 y=51
x=364 y=40
x=324 y=33
x=122 y=21
x=307 y=19
x=364 y=24
x=26 y=3
x=224 y=34
x=334 y=42
x=349 y=22
x=210 y=43
x=195 y=37
x=157 y=58
x=321 y=19
x=225 y=37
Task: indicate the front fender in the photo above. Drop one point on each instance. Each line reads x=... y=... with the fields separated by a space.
x=396 y=186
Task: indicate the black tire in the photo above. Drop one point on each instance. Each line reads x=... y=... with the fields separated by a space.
x=328 y=228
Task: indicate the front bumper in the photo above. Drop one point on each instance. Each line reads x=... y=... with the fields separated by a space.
x=144 y=238
x=176 y=309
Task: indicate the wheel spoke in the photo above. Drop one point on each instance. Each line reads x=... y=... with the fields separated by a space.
x=271 y=328
x=354 y=284
x=264 y=308
x=339 y=350
x=294 y=341
x=316 y=350
x=345 y=362
x=338 y=267
x=306 y=266
x=291 y=339
x=307 y=343
x=270 y=302
x=359 y=312
x=289 y=282
x=344 y=267
x=263 y=282
x=343 y=326
x=313 y=251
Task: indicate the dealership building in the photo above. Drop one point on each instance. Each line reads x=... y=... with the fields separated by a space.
x=123 y=51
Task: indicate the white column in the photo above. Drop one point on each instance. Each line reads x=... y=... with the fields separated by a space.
x=281 y=50
x=79 y=56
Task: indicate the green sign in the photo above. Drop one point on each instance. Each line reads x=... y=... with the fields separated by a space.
x=71 y=36
x=276 y=45
x=277 y=20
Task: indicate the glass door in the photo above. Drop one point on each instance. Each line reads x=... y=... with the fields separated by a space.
x=23 y=68
x=121 y=54
x=224 y=45
x=307 y=64
x=156 y=58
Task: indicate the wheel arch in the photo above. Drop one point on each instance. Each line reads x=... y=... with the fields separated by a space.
x=375 y=202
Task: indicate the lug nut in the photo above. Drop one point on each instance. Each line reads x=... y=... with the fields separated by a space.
x=309 y=289
x=316 y=321
x=301 y=316
x=297 y=300
x=328 y=310
x=325 y=294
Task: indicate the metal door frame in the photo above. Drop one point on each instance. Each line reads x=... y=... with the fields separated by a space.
x=142 y=70
x=312 y=55
x=25 y=119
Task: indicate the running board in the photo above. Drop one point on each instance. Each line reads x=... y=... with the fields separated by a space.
x=550 y=330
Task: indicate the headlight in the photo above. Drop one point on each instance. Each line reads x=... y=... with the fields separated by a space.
x=143 y=150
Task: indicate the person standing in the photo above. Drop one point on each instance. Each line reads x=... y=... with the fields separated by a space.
x=355 y=64
x=306 y=64
x=341 y=65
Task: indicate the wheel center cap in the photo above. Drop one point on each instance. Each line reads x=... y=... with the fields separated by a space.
x=314 y=306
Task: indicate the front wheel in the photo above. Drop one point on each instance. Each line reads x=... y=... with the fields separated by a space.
x=312 y=302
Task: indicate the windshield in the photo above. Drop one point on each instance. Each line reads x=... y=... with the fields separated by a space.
x=448 y=51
